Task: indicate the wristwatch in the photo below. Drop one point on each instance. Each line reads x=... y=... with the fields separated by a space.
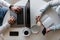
x=10 y=6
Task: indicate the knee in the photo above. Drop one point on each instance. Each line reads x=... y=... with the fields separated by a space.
x=5 y=9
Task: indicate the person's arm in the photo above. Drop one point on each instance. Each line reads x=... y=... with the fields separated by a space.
x=4 y=27
x=54 y=3
x=49 y=4
x=7 y=24
x=4 y=3
x=55 y=27
x=44 y=9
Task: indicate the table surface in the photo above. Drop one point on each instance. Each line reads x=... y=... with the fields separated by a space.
x=49 y=36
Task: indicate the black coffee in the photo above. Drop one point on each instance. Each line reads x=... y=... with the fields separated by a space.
x=26 y=32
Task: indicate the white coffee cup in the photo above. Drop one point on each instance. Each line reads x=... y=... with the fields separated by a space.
x=26 y=31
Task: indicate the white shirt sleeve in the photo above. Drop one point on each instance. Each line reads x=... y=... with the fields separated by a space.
x=54 y=2
x=4 y=3
x=55 y=27
x=4 y=27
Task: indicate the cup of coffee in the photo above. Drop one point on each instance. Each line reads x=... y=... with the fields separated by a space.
x=26 y=32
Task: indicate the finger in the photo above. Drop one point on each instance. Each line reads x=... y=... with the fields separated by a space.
x=19 y=9
x=16 y=11
x=37 y=18
x=11 y=22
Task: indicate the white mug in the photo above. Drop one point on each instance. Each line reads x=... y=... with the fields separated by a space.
x=26 y=31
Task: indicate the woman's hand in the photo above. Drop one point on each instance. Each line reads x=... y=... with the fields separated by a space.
x=38 y=19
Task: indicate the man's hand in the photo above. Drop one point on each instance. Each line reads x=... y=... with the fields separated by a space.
x=11 y=20
x=16 y=9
